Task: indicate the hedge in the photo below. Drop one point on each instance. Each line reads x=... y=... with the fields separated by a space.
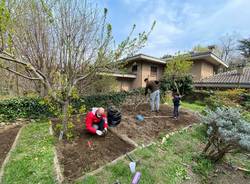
x=23 y=107
x=34 y=107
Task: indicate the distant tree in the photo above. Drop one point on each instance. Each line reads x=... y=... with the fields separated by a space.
x=177 y=69
x=227 y=48
x=244 y=47
x=200 y=48
x=227 y=131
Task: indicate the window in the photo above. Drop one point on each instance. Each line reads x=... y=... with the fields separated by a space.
x=153 y=71
x=134 y=68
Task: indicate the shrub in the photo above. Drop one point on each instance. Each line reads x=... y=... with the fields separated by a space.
x=184 y=84
x=36 y=107
x=24 y=107
x=227 y=131
x=231 y=97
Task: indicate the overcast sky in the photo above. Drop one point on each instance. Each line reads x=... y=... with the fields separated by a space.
x=180 y=24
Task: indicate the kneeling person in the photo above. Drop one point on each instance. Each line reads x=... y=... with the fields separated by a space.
x=96 y=121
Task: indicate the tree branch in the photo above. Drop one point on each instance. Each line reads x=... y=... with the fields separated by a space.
x=20 y=74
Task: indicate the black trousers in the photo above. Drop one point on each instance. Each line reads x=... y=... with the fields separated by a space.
x=101 y=125
x=176 y=111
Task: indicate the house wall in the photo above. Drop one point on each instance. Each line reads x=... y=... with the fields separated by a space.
x=202 y=69
x=146 y=70
x=207 y=70
x=124 y=84
x=196 y=70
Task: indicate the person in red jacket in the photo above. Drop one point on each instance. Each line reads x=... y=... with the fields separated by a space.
x=96 y=121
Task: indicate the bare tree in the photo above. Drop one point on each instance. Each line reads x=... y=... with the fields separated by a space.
x=227 y=48
x=60 y=43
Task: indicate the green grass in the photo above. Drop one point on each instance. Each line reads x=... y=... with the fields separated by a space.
x=196 y=106
x=32 y=160
x=159 y=163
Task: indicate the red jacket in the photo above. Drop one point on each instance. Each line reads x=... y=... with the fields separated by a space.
x=92 y=119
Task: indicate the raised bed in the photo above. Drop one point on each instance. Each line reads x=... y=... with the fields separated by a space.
x=7 y=137
x=88 y=152
x=154 y=123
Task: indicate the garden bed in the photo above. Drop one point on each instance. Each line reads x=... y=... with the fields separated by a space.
x=88 y=152
x=7 y=137
x=154 y=123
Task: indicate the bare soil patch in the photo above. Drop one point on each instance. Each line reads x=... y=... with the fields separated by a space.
x=7 y=137
x=152 y=126
x=88 y=152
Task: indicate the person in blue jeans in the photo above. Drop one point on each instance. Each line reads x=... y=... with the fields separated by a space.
x=176 y=102
x=154 y=87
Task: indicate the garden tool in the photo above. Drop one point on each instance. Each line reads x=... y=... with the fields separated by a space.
x=132 y=164
x=136 y=178
x=139 y=117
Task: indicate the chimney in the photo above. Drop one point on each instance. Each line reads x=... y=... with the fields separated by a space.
x=211 y=48
x=240 y=69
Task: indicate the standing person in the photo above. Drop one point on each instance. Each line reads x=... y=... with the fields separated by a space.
x=176 y=102
x=96 y=121
x=154 y=87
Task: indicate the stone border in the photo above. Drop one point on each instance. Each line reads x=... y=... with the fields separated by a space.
x=124 y=137
x=111 y=163
x=57 y=167
x=123 y=156
x=9 y=153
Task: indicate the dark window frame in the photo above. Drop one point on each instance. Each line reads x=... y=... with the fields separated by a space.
x=134 y=68
x=153 y=73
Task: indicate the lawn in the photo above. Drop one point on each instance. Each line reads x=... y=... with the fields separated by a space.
x=32 y=159
x=160 y=163
x=177 y=160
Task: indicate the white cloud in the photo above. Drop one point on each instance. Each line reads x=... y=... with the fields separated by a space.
x=181 y=24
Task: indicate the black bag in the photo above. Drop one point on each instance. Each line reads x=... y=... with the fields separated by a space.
x=114 y=117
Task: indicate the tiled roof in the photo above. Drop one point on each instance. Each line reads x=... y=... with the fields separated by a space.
x=227 y=78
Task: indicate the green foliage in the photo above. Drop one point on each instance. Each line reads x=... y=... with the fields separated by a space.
x=202 y=167
x=227 y=131
x=102 y=85
x=244 y=47
x=35 y=107
x=231 y=97
x=115 y=98
x=184 y=84
x=200 y=48
x=177 y=72
x=24 y=107
x=179 y=66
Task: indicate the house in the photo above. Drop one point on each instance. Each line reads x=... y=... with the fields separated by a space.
x=231 y=79
x=141 y=66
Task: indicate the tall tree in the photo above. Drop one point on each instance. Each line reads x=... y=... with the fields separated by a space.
x=61 y=43
x=227 y=48
x=244 y=47
x=177 y=68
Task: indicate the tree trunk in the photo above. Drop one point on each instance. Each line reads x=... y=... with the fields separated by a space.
x=65 y=119
x=207 y=146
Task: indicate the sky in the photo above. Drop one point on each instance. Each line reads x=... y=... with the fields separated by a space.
x=180 y=24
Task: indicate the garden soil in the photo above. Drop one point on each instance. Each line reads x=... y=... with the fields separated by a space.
x=88 y=152
x=143 y=132
x=7 y=137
